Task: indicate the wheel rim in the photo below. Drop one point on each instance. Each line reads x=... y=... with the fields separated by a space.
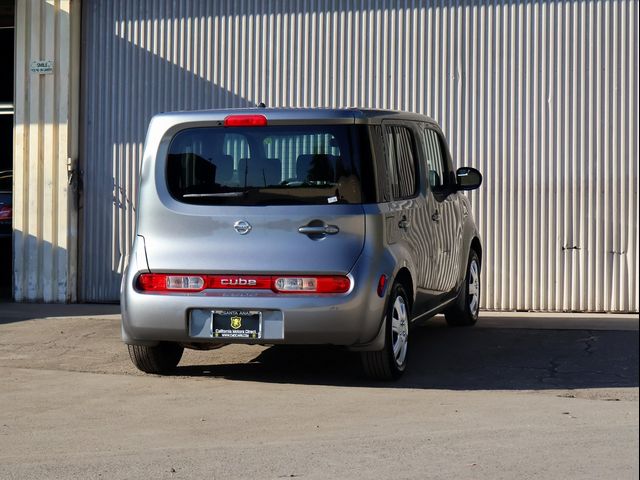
x=474 y=287
x=399 y=330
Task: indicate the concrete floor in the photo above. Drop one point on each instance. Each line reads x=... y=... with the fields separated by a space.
x=517 y=396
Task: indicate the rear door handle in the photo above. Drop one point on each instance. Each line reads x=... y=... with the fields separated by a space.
x=436 y=216
x=404 y=223
x=319 y=230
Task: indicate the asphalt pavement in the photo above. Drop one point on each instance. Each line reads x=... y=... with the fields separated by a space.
x=517 y=396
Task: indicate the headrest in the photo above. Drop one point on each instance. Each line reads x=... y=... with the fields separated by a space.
x=224 y=168
x=259 y=172
x=315 y=168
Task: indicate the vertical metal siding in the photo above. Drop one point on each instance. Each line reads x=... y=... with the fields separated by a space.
x=43 y=212
x=540 y=96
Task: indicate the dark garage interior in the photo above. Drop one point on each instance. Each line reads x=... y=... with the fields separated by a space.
x=7 y=15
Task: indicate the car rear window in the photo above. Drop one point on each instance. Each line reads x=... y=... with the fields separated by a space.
x=271 y=165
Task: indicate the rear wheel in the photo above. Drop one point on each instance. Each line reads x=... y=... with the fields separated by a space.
x=464 y=312
x=161 y=359
x=390 y=362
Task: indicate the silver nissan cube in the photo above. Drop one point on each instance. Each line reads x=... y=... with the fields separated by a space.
x=298 y=226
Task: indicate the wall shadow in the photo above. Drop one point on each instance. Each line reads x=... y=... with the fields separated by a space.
x=19 y=312
x=42 y=276
x=478 y=358
x=123 y=86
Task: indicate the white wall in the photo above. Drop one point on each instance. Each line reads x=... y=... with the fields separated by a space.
x=542 y=97
x=45 y=148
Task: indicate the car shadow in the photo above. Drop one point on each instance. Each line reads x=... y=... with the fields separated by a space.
x=497 y=358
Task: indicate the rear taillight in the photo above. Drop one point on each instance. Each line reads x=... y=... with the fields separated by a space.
x=160 y=282
x=323 y=284
x=5 y=212
x=167 y=283
x=182 y=282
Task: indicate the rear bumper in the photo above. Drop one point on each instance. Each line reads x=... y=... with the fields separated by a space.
x=351 y=319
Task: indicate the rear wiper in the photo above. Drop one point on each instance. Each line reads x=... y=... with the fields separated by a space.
x=222 y=194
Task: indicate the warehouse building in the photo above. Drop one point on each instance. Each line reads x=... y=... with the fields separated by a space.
x=541 y=96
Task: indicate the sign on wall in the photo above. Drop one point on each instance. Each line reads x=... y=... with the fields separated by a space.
x=42 y=67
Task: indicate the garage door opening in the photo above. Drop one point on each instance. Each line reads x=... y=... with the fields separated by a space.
x=7 y=35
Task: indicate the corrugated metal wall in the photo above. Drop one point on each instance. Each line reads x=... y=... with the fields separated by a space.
x=542 y=97
x=45 y=148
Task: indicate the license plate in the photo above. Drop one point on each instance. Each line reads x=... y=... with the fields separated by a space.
x=236 y=324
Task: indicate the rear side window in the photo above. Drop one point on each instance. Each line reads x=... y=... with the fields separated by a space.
x=436 y=163
x=381 y=163
x=401 y=161
x=272 y=165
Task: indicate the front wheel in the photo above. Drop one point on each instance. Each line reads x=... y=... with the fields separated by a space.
x=390 y=362
x=161 y=359
x=464 y=312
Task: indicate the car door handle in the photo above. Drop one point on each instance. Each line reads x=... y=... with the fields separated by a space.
x=435 y=216
x=319 y=229
x=404 y=223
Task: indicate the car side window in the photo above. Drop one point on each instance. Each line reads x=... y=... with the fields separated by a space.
x=382 y=168
x=401 y=161
x=390 y=153
x=437 y=171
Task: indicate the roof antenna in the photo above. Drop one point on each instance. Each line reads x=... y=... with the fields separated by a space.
x=262 y=105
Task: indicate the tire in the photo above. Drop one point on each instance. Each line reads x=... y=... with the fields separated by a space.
x=161 y=359
x=385 y=364
x=464 y=312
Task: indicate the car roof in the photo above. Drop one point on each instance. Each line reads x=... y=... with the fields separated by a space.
x=298 y=115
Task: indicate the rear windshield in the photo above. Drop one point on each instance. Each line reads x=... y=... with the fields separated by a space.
x=271 y=165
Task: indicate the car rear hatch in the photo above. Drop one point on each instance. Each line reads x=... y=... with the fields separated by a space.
x=247 y=198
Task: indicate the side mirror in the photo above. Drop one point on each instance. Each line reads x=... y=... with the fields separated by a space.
x=468 y=178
